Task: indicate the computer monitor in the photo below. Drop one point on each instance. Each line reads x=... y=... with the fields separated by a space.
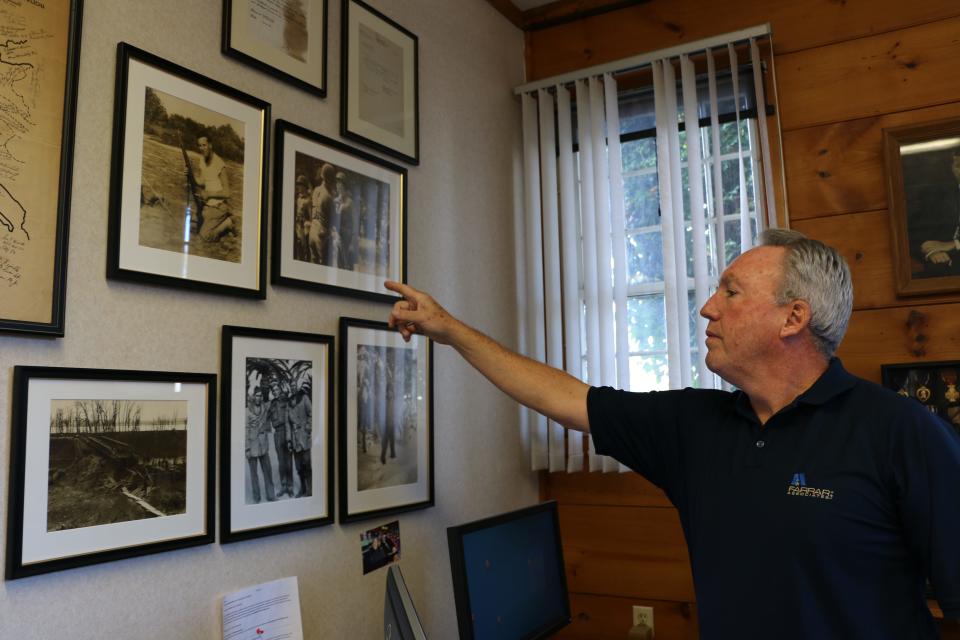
x=508 y=575
x=400 y=619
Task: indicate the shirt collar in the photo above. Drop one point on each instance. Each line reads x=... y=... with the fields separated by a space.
x=831 y=383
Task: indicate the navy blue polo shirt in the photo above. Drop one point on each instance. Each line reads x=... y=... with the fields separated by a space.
x=823 y=523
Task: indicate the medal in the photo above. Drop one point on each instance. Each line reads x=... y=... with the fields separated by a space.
x=949 y=377
x=923 y=391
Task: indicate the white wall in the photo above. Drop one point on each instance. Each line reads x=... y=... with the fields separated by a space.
x=460 y=248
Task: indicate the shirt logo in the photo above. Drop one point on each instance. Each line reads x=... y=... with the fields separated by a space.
x=798 y=487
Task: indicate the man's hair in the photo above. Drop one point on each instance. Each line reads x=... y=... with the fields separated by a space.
x=817 y=273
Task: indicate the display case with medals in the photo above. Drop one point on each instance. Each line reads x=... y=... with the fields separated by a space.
x=932 y=384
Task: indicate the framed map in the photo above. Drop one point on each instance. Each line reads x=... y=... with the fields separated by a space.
x=39 y=66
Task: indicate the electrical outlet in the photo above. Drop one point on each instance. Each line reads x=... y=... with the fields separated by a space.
x=643 y=615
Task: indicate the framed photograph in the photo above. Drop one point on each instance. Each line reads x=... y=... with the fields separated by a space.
x=923 y=186
x=108 y=464
x=379 y=82
x=188 y=180
x=339 y=216
x=380 y=546
x=39 y=94
x=285 y=38
x=276 y=445
x=386 y=421
x=932 y=384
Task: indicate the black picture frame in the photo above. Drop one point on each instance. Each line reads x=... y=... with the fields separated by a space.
x=932 y=384
x=367 y=487
x=17 y=247
x=46 y=528
x=292 y=359
x=159 y=233
x=393 y=60
x=305 y=68
x=372 y=251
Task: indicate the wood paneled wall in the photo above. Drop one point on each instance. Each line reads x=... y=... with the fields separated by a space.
x=845 y=70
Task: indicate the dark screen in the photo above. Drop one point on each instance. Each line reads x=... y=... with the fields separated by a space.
x=514 y=578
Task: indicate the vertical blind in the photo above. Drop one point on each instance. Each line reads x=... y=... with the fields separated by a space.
x=574 y=252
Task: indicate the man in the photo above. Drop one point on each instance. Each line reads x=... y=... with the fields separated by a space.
x=277 y=420
x=258 y=449
x=814 y=503
x=213 y=190
x=348 y=228
x=301 y=219
x=299 y=437
x=322 y=206
x=933 y=219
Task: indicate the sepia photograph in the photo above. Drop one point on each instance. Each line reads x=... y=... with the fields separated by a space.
x=923 y=179
x=191 y=197
x=276 y=456
x=339 y=217
x=115 y=460
x=386 y=421
x=188 y=180
x=108 y=464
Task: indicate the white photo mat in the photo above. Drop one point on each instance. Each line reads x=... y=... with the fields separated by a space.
x=400 y=495
x=40 y=545
x=135 y=257
x=245 y=517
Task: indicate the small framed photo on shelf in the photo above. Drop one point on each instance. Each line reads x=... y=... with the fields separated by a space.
x=276 y=446
x=932 y=384
x=339 y=216
x=386 y=421
x=923 y=192
x=108 y=464
x=285 y=38
x=380 y=104
x=188 y=179
x=39 y=91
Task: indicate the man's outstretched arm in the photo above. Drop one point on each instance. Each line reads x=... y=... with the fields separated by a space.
x=552 y=392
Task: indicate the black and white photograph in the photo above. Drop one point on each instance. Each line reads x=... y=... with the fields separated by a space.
x=284 y=38
x=923 y=178
x=339 y=216
x=116 y=460
x=275 y=449
x=379 y=84
x=108 y=464
x=380 y=546
x=188 y=179
x=386 y=421
x=192 y=179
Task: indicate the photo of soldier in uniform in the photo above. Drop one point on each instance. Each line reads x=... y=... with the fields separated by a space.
x=115 y=461
x=191 y=191
x=279 y=429
x=387 y=416
x=341 y=218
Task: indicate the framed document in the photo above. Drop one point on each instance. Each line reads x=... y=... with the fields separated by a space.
x=339 y=216
x=108 y=464
x=276 y=447
x=386 y=421
x=379 y=83
x=285 y=38
x=188 y=180
x=41 y=58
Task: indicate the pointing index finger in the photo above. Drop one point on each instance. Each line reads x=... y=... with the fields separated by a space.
x=404 y=290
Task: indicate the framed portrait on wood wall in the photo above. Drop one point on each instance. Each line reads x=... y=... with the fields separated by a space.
x=108 y=464
x=285 y=38
x=380 y=104
x=339 y=216
x=386 y=421
x=276 y=447
x=41 y=58
x=188 y=179
x=923 y=187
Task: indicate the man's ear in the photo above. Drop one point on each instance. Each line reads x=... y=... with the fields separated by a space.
x=797 y=319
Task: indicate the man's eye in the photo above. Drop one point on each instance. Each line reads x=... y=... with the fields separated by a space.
x=730 y=293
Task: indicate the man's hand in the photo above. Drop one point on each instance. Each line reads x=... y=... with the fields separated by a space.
x=419 y=313
x=937 y=252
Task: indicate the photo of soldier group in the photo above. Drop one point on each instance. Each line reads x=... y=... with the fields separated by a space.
x=341 y=218
x=387 y=416
x=279 y=429
x=191 y=191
